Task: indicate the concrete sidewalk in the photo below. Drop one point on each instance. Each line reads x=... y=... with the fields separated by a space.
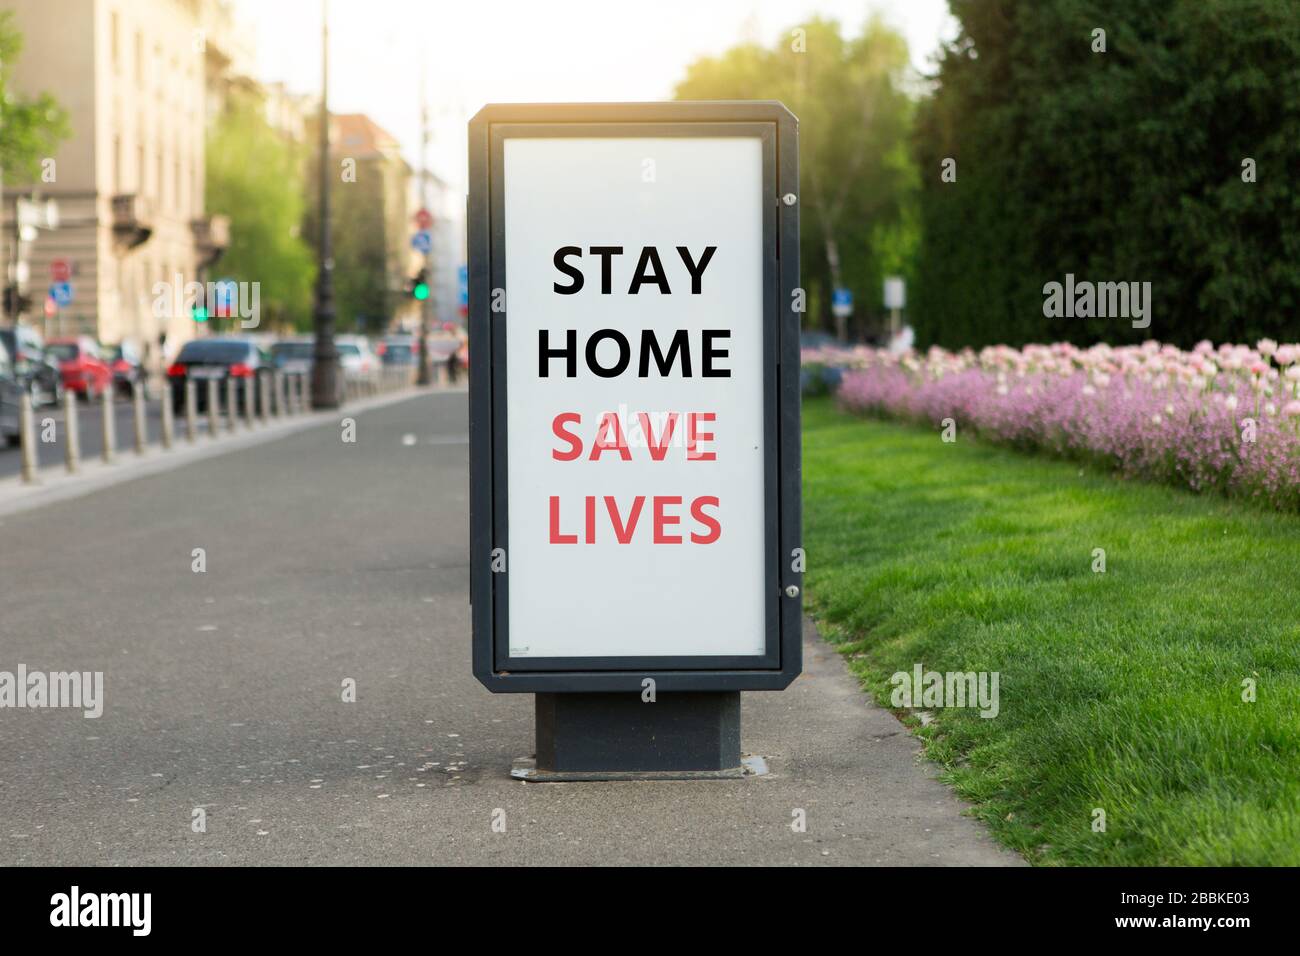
x=329 y=562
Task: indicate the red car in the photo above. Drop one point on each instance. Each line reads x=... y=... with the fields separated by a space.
x=81 y=366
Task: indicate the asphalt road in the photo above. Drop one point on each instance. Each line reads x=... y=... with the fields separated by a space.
x=90 y=434
x=329 y=562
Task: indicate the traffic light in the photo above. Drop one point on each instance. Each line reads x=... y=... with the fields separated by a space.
x=418 y=286
x=198 y=313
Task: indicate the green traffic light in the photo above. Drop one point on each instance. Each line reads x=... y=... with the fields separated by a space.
x=421 y=291
x=200 y=313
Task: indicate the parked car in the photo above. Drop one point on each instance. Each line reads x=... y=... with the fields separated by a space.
x=356 y=357
x=398 y=350
x=10 y=395
x=293 y=356
x=128 y=369
x=81 y=366
x=35 y=371
x=219 y=359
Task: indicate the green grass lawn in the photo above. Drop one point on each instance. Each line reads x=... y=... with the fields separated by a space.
x=1120 y=690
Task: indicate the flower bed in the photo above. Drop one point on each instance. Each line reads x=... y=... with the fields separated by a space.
x=1224 y=420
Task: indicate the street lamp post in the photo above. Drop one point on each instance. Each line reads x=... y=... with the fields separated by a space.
x=324 y=379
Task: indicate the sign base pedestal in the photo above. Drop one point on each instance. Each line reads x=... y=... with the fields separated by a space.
x=681 y=736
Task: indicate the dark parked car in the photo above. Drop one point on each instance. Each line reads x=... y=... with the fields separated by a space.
x=80 y=364
x=128 y=369
x=219 y=359
x=294 y=356
x=10 y=393
x=398 y=350
x=36 y=372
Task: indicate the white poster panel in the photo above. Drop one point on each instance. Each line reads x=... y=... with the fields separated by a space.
x=635 y=474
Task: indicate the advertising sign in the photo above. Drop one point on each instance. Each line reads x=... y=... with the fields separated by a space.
x=635 y=463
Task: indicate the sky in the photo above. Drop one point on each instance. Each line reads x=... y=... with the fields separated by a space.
x=483 y=51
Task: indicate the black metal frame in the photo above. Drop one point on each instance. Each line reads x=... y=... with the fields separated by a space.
x=782 y=660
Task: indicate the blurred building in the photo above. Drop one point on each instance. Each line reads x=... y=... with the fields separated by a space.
x=447 y=206
x=374 y=181
x=288 y=112
x=136 y=77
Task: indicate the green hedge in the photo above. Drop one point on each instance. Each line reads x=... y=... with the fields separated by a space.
x=1117 y=166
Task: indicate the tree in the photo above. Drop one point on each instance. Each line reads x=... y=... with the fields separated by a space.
x=254 y=176
x=30 y=127
x=1122 y=165
x=858 y=183
x=363 y=195
x=358 y=234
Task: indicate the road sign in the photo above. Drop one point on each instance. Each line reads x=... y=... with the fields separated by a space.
x=61 y=293
x=224 y=296
x=462 y=285
x=895 y=293
x=60 y=270
x=423 y=219
x=422 y=241
x=842 y=303
x=635 y=443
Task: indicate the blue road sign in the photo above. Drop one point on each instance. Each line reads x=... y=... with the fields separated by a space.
x=61 y=293
x=224 y=293
x=842 y=302
x=422 y=241
x=462 y=278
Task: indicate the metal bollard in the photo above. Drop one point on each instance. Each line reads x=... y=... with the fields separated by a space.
x=27 y=438
x=262 y=397
x=214 y=409
x=248 y=401
x=277 y=393
x=232 y=407
x=109 y=453
x=168 y=418
x=137 y=415
x=71 y=440
x=191 y=411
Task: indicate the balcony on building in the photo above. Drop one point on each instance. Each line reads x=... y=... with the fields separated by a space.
x=211 y=238
x=132 y=220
